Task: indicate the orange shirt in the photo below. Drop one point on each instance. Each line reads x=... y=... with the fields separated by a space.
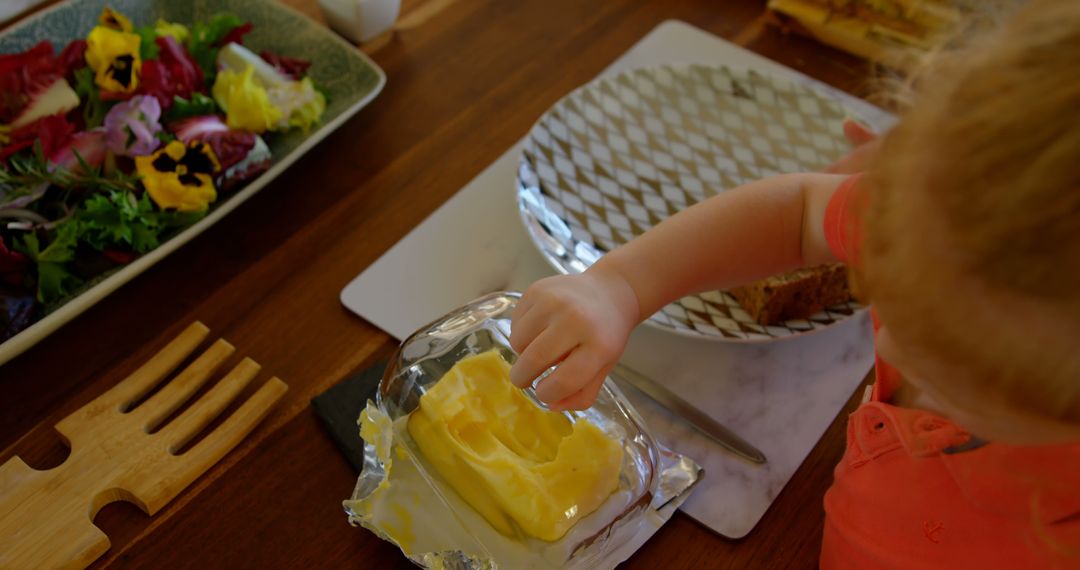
x=915 y=490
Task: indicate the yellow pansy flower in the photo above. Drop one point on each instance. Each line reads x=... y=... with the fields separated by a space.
x=114 y=20
x=180 y=176
x=178 y=32
x=247 y=106
x=114 y=57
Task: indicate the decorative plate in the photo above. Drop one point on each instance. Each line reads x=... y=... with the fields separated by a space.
x=620 y=154
x=347 y=76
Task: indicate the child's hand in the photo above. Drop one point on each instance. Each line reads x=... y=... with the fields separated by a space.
x=865 y=143
x=579 y=322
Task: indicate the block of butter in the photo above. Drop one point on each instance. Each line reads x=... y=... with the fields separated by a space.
x=515 y=463
x=463 y=470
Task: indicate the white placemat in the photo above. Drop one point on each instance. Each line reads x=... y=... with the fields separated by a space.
x=780 y=396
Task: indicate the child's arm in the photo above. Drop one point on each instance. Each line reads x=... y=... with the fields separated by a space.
x=582 y=322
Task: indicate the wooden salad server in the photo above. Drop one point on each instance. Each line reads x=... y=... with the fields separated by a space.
x=126 y=452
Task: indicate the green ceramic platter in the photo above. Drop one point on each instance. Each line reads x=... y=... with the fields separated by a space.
x=348 y=77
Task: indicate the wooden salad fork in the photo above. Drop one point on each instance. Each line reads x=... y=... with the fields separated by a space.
x=122 y=450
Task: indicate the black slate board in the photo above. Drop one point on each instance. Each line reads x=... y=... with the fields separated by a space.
x=339 y=407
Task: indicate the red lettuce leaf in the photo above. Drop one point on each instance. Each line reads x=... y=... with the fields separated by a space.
x=250 y=171
x=72 y=58
x=23 y=75
x=14 y=266
x=235 y=35
x=292 y=67
x=119 y=257
x=90 y=146
x=229 y=145
x=54 y=132
x=173 y=74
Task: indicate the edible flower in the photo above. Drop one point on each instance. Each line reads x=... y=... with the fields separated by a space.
x=246 y=103
x=114 y=56
x=178 y=32
x=230 y=145
x=300 y=102
x=131 y=127
x=180 y=176
x=296 y=103
x=114 y=20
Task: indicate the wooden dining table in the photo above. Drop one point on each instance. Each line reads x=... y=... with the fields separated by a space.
x=466 y=80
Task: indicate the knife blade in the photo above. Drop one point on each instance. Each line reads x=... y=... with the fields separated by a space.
x=697 y=419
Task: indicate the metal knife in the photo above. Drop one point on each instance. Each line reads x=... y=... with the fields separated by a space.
x=698 y=419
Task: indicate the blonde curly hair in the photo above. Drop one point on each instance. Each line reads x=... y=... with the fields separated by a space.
x=971 y=250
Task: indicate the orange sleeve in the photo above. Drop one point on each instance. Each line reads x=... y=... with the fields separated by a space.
x=843 y=235
x=841 y=217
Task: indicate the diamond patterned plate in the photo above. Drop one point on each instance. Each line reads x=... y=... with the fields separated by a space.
x=619 y=155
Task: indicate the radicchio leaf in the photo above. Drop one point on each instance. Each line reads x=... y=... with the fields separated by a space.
x=292 y=67
x=17 y=310
x=54 y=132
x=235 y=35
x=174 y=73
x=90 y=146
x=14 y=266
x=24 y=75
x=72 y=58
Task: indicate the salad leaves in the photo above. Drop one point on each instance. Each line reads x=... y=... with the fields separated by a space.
x=120 y=220
x=207 y=38
x=196 y=106
x=119 y=141
x=53 y=279
x=93 y=107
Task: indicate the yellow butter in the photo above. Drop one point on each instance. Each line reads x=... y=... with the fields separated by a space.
x=512 y=461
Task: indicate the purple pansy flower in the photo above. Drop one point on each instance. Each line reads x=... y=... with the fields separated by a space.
x=131 y=126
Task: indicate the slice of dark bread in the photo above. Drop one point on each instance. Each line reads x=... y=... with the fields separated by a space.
x=794 y=295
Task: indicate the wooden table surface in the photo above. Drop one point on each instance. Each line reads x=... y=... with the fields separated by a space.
x=466 y=79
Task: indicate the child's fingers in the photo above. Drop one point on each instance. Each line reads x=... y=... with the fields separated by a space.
x=521 y=309
x=569 y=377
x=525 y=327
x=542 y=353
x=584 y=397
x=857 y=133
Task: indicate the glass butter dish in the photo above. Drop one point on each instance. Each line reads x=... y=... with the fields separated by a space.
x=463 y=470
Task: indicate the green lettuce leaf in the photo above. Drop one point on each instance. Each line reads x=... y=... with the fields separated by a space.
x=120 y=220
x=204 y=36
x=197 y=106
x=54 y=281
x=148 y=48
x=93 y=107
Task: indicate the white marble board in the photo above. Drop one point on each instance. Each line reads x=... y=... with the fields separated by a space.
x=779 y=395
